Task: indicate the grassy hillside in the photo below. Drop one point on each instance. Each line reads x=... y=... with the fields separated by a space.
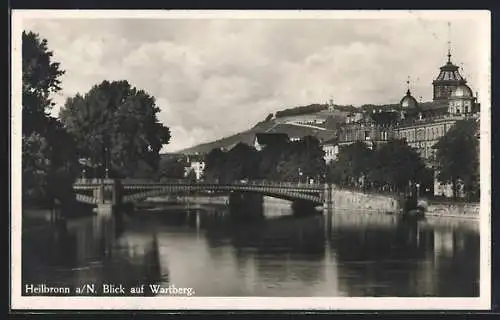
x=278 y=125
x=249 y=135
x=244 y=136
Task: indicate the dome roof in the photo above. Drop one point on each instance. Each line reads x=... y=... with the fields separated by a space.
x=462 y=91
x=449 y=72
x=408 y=101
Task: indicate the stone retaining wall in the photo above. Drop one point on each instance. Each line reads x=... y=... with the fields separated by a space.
x=358 y=201
x=460 y=210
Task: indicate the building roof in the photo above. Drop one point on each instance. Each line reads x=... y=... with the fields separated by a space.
x=331 y=141
x=195 y=157
x=408 y=101
x=449 y=73
x=434 y=105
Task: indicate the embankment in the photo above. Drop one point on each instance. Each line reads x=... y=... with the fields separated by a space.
x=452 y=210
x=358 y=201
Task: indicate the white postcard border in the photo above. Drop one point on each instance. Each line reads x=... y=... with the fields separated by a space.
x=252 y=303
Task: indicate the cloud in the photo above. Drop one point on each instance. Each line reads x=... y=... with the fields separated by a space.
x=212 y=77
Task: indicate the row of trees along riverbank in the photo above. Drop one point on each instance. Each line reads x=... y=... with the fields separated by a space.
x=113 y=126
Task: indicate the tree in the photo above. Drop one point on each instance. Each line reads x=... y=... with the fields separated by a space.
x=35 y=167
x=300 y=160
x=49 y=163
x=41 y=78
x=191 y=176
x=241 y=163
x=269 y=158
x=214 y=164
x=116 y=125
x=457 y=157
x=353 y=164
x=395 y=164
x=172 y=168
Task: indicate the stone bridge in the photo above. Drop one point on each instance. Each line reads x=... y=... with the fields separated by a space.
x=113 y=191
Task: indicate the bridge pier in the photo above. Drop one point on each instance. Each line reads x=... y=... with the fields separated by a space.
x=328 y=206
x=246 y=205
x=303 y=208
x=108 y=195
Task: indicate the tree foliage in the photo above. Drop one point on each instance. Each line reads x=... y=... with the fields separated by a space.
x=240 y=162
x=390 y=166
x=457 y=157
x=41 y=78
x=281 y=162
x=352 y=165
x=49 y=163
x=215 y=161
x=173 y=168
x=36 y=167
x=116 y=124
x=302 y=160
x=397 y=165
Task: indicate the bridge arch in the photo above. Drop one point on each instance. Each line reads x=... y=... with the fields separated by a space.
x=315 y=196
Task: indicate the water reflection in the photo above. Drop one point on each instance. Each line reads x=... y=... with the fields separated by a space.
x=201 y=247
x=92 y=250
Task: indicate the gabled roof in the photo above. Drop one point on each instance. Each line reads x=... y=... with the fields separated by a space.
x=195 y=157
x=331 y=141
x=434 y=105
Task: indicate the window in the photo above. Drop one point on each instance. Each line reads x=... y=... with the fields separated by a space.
x=367 y=135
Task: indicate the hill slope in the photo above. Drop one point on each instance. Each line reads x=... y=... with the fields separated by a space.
x=287 y=121
x=244 y=136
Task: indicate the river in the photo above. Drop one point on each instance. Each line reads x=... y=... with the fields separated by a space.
x=203 y=249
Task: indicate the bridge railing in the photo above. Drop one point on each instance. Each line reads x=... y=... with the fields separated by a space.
x=256 y=183
x=93 y=180
x=277 y=183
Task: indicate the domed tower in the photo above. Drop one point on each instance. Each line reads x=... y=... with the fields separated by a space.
x=448 y=80
x=461 y=100
x=408 y=104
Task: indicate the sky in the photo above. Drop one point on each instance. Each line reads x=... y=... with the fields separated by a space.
x=214 y=77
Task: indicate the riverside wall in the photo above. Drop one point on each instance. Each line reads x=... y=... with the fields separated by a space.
x=352 y=201
x=358 y=201
x=346 y=200
x=452 y=209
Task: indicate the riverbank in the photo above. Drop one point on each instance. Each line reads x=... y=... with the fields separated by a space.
x=455 y=210
x=451 y=209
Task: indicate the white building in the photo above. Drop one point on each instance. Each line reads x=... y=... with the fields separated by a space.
x=331 y=149
x=196 y=163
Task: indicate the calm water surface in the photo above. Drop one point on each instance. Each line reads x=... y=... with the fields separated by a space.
x=281 y=255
